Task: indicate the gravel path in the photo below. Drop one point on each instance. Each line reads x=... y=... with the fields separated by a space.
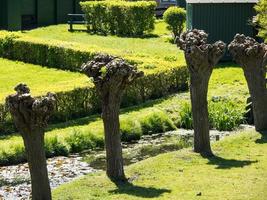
x=15 y=180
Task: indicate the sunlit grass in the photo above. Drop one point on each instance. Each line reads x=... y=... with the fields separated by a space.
x=237 y=172
x=39 y=79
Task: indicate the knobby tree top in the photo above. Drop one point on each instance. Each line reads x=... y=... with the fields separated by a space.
x=198 y=53
x=30 y=113
x=246 y=50
x=110 y=73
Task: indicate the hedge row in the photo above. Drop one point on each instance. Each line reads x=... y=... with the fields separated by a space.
x=83 y=101
x=119 y=17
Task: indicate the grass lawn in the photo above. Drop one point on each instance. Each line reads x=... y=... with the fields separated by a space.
x=40 y=79
x=150 y=53
x=238 y=172
x=234 y=88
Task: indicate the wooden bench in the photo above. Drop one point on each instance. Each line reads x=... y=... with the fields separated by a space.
x=76 y=19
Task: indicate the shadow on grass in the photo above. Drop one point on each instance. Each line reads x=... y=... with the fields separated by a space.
x=263 y=138
x=138 y=191
x=223 y=163
x=144 y=36
x=227 y=65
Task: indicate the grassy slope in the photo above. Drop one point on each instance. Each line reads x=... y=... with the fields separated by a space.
x=238 y=172
x=234 y=87
x=40 y=79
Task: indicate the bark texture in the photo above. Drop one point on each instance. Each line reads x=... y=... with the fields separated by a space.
x=252 y=56
x=30 y=116
x=200 y=57
x=111 y=75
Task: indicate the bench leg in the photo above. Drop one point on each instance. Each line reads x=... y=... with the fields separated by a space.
x=71 y=28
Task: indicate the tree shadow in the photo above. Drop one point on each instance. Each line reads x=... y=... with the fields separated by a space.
x=138 y=191
x=223 y=163
x=141 y=36
x=226 y=64
x=263 y=138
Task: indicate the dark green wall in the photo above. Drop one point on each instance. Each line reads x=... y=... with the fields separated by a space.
x=64 y=7
x=13 y=15
x=3 y=19
x=221 y=21
x=46 y=12
x=28 y=7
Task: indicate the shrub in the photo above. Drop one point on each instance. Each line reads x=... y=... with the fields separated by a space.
x=175 y=18
x=261 y=9
x=186 y=116
x=13 y=156
x=119 y=17
x=54 y=147
x=130 y=130
x=225 y=115
x=156 y=122
x=79 y=141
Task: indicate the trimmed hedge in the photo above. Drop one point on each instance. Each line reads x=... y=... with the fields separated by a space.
x=175 y=17
x=81 y=102
x=119 y=17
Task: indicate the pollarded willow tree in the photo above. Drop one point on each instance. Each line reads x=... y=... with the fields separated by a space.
x=111 y=75
x=200 y=58
x=252 y=56
x=30 y=116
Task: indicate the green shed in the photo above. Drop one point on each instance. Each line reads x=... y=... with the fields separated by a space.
x=221 y=19
x=25 y=14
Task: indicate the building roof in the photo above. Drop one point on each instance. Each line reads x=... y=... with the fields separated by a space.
x=222 y=1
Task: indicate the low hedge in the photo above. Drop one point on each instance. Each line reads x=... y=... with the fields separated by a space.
x=119 y=17
x=81 y=102
x=157 y=82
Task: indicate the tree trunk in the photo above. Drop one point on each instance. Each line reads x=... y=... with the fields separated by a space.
x=257 y=88
x=34 y=146
x=110 y=114
x=199 y=90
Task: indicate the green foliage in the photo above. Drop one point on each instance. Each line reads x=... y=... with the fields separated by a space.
x=54 y=147
x=261 y=9
x=130 y=130
x=119 y=17
x=14 y=155
x=79 y=141
x=225 y=115
x=157 y=122
x=175 y=17
x=186 y=116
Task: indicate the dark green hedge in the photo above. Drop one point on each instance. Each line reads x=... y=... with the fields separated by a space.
x=119 y=17
x=83 y=101
x=36 y=52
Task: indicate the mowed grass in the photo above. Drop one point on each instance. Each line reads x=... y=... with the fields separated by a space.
x=234 y=88
x=237 y=172
x=151 y=53
x=40 y=79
